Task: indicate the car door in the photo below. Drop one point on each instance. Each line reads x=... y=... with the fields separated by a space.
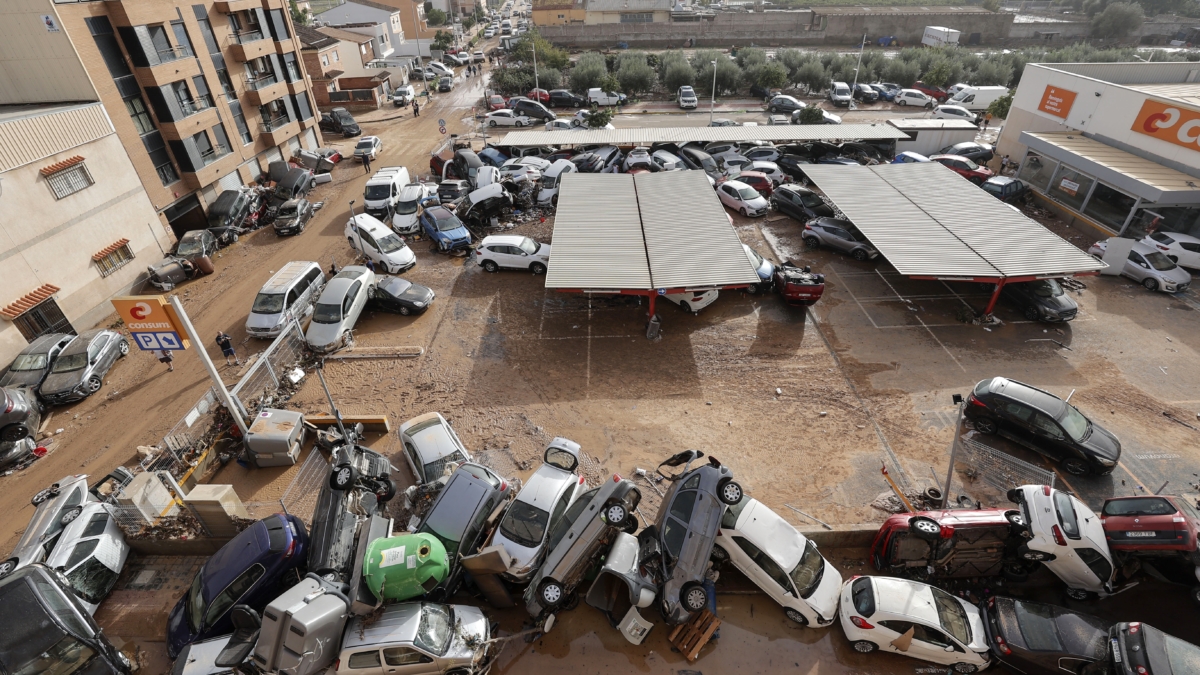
x=1050 y=435
x=365 y=662
x=728 y=196
x=840 y=239
x=407 y=661
x=1016 y=417
x=356 y=299
x=889 y=630
x=1189 y=254
x=931 y=644
x=95 y=354
x=766 y=573
x=785 y=202
x=1136 y=266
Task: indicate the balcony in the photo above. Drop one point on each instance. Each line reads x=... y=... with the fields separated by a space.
x=249 y=45
x=202 y=118
x=166 y=73
x=276 y=131
x=231 y=6
x=217 y=163
x=214 y=155
x=268 y=89
x=193 y=107
x=247 y=36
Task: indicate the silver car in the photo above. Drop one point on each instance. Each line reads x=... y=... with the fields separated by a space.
x=1149 y=267
x=338 y=309
x=79 y=370
x=417 y=638
x=57 y=507
x=841 y=235
x=91 y=552
x=429 y=445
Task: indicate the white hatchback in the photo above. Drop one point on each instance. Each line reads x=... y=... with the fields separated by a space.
x=913 y=619
x=782 y=562
x=505 y=118
x=1066 y=537
x=693 y=301
x=953 y=112
x=742 y=198
x=91 y=552
x=513 y=252
x=370 y=237
x=913 y=97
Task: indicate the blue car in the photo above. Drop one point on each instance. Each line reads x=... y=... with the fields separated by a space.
x=908 y=157
x=887 y=92
x=442 y=226
x=493 y=157
x=252 y=569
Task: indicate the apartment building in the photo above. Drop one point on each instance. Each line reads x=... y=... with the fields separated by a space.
x=202 y=94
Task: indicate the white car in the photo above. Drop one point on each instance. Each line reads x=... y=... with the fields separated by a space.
x=520 y=169
x=771 y=169
x=505 y=118
x=763 y=153
x=665 y=161
x=338 y=309
x=1066 y=537
x=913 y=97
x=370 y=237
x=549 y=182
x=489 y=33
x=91 y=552
x=782 y=562
x=538 y=507
x=580 y=118
x=405 y=218
x=558 y=124
x=429 y=445
x=879 y=612
x=368 y=147
x=1184 y=249
x=440 y=68
x=638 y=158
x=1148 y=266
x=514 y=252
x=732 y=162
x=742 y=198
x=687 y=98
x=953 y=112
x=693 y=301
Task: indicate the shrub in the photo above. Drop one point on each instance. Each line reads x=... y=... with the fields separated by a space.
x=547 y=54
x=635 y=76
x=903 y=73
x=678 y=74
x=434 y=16
x=597 y=118
x=1118 y=20
x=667 y=60
x=811 y=115
x=992 y=73
x=751 y=56
x=1000 y=107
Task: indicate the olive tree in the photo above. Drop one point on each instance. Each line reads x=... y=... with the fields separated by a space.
x=635 y=75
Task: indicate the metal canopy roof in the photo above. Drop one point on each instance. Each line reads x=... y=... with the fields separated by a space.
x=1138 y=176
x=618 y=232
x=930 y=222
x=782 y=133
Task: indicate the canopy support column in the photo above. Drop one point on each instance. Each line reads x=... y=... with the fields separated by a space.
x=995 y=296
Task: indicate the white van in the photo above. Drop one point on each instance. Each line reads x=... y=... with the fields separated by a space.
x=379 y=244
x=977 y=99
x=383 y=191
x=548 y=184
x=288 y=295
x=403 y=95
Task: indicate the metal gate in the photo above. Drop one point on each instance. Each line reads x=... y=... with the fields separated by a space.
x=231 y=181
x=44 y=317
x=1000 y=469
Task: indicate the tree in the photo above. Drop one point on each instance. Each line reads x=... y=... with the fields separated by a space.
x=751 y=56
x=669 y=59
x=300 y=17
x=992 y=73
x=547 y=54
x=513 y=79
x=991 y=5
x=938 y=74
x=598 y=118
x=901 y=72
x=635 y=75
x=588 y=72
x=766 y=75
x=468 y=22
x=442 y=40
x=812 y=76
x=1118 y=20
x=728 y=76
x=811 y=115
x=435 y=16
x=678 y=74
x=1000 y=107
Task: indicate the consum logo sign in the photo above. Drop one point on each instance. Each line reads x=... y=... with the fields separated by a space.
x=1169 y=123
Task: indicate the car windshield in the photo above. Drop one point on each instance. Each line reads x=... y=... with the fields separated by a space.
x=686 y=91
x=952 y=615
x=1036 y=622
x=1077 y=426
x=435 y=629
x=530 y=246
x=327 y=313
x=189 y=246
x=268 y=303
x=91 y=580
x=70 y=362
x=67 y=655
x=288 y=210
x=810 y=200
x=1182 y=656
x=1046 y=288
x=364 y=145
x=448 y=224
x=755 y=258
x=708 y=163
x=195 y=602
x=841 y=91
x=28 y=362
x=525 y=524
x=377 y=192
x=1066 y=514
x=406 y=208
x=969 y=164
x=1159 y=261
x=808 y=572
x=548 y=182
x=390 y=243
x=343 y=117
x=747 y=193
x=1140 y=506
x=1161 y=238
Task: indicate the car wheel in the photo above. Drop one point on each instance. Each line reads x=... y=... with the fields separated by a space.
x=1015 y=572
x=491 y=266
x=537 y=268
x=744 y=212
x=43 y=495
x=1195 y=593
x=404 y=311
x=1076 y=466
x=860 y=255
x=975 y=180
x=796 y=616
x=351 y=240
x=1015 y=519
x=1150 y=284
x=753 y=289
x=985 y=425
x=8 y=567
x=630 y=525
x=234 y=238
x=69 y=516
x=388 y=492
x=14 y=432
x=685 y=307
x=719 y=554
x=615 y=514
x=694 y=597
x=1078 y=594
x=900 y=102
x=94 y=384
x=551 y=593
x=811 y=243
x=1031 y=555
x=865 y=646
x=123 y=347
x=1031 y=313
x=729 y=492
x=343 y=477
x=965 y=668
x=924 y=528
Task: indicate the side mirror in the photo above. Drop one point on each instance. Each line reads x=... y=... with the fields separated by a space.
x=949 y=648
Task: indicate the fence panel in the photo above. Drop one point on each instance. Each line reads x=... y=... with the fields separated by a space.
x=1000 y=469
x=300 y=497
x=260 y=383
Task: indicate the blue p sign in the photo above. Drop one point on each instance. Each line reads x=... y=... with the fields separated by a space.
x=152 y=341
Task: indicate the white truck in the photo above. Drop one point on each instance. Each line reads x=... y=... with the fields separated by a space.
x=940 y=36
x=383 y=191
x=977 y=99
x=926 y=137
x=597 y=96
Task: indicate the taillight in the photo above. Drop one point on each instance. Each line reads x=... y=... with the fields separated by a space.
x=974 y=401
x=337 y=664
x=616 y=478
x=8 y=408
x=581 y=480
x=1162 y=248
x=1058 y=536
x=991 y=604
x=503 y=485
x=1134 y=627
x=808 y=227
x=1046 y=490
x=1142 y=670
x=290 y=549
x=1003 y=645
x=861 y=622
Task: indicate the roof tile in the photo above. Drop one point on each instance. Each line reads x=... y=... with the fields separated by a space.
x=29 y=301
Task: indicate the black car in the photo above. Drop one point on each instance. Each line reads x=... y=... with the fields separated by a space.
x=295 y=183
x=450 y=190
x=865 y=93
x=1040 y=300
x=561 y=98
x=784 y=104
x=1007 y=189
x=232 y=208
x=699 y=160
x=799 y=203
x=794 y=166
x=533 y=110
x=1033 y=638
x=759 y=91
x=980 y=153
x=292 y=216
x=1045 y=423
x=446 y=83
x=598 y=160
x=400 y=296
x=1142 y=649
x=33 y=363
x=340 y=121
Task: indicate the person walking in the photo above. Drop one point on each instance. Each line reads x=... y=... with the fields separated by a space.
x=1004 y=165
x=333 y=268
x=226 y=344
x=367 y=163
x=370 y=265
x=416 y=109
x=987 y=119
x=165 y=356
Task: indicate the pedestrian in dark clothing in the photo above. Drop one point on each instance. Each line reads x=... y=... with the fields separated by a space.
x=416 y=109
x=226 y=344
x=333 y=268
x=367 y=163
x=165 y=356
x=370 y=265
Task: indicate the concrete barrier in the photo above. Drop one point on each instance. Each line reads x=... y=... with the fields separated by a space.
x=843 y=536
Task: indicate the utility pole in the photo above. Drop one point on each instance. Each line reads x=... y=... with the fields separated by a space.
x=854 y=87
x=535 y=75
x=958 y=402
x=712 y=102
x=234 y=408
x=362 y=251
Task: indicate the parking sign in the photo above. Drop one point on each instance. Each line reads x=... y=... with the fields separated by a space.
x=151 y=341
x=151 y=322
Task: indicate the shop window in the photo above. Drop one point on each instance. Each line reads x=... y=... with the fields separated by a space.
x=1109 y=207
x=1069 y=187
x=1037 y=170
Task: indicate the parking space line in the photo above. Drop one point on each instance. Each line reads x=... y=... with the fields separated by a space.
x=889 y=285
x=960 y=366
x=542 y=324
x=587 y=388
x=846 y=287
x=956 y=295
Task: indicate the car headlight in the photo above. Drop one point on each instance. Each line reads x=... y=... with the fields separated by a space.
x=1106 y=462
x=418 y=303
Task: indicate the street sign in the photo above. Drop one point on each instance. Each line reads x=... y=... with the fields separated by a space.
x=442 y=129
x=151 y=321
x=441 y=122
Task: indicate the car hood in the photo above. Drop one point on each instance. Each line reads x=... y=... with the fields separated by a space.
x=1103 y=442
x=402 y=256
x=264 y=320
x=21 y=378
x=978 y=636
x=521 y=555
x=404 y=221
x=455 y=234
x=60 y=382
x=323 y=337
x=766 y=270
x=472 y=627
x=758 y=203
x=1177 y=275
x=825 y=598
x=1058 y=303
x=179 y=633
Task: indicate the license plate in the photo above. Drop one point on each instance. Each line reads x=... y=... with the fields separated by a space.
x=1146 y=533
x=1116 y=651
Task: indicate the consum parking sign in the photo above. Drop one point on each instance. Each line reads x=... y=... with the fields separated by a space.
x=151 y=322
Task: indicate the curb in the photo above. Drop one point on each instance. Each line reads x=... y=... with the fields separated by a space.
x=842 y=536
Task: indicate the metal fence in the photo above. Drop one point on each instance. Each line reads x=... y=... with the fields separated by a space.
x=258 y=386
x=300 y=497
x=190 y=437
x=1000 y=469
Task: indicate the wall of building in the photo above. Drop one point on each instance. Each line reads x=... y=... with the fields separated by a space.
x=37 y=61
x=567 y=14
x=591 y=18
x=908 y=27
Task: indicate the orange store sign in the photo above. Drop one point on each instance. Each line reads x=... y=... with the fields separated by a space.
x=1170 y=123
x=1057 y=101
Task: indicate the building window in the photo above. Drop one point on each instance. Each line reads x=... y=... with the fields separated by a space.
x=157 y=150
x=239 y=119
x=70 y=180
x=335 y=56
x=639 y=17
x=113 y=258
x=562 y=16
x=325 y=59
x=1109 y=206
x=41 y=319
x=141 y=117
x=1070 y=187
x=1037 y=170
x=363 y=48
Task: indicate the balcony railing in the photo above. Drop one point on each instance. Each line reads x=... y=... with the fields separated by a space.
x=247 y=36
x=267 y=126
x=210 y=156
x=261 y=82
x=201 y=103
x=174 y=54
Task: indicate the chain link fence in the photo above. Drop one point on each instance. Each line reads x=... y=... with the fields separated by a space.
x=187 y=440
x=300 y=497
x=1000 y=469
x=258 y=386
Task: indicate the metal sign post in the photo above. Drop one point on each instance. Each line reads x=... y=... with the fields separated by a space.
x=958 y=402
x=235 y=411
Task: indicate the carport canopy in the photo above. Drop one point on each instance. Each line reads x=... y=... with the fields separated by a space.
x=644 y=234
x=781 y=133
x=931 y=223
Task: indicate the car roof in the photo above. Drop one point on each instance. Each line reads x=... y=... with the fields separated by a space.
x=235 y=557
x=463 y=493
x=504 y=239
x=81 y=343
x=279 y=282
x=1001 y=180
x=371 y=225
x=545 y=486
x=370 y=139
x=906 y=598
x=397 y=623
x=432 y=436
x=947 y=156
x=42 y=344
x=737 y=184
x=338 y=286
x=771 y=533
x=1044 y=401
x=1179 y=236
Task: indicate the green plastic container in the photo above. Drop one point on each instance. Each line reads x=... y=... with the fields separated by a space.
x=404 y=566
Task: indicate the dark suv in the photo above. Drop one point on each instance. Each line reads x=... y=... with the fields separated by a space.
x=339 y=120
x=677 y=547
x=1041 y=300
x=561 y=98
x=1044 y=423
x=533 y=110
x=799 y=203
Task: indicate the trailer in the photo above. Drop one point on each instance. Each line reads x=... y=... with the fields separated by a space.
x=940 y=36
x=927 y=137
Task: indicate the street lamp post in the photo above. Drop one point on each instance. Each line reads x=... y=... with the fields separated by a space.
x=417 y=27
x=854 y=87
x=533 y=43
x=712 y=102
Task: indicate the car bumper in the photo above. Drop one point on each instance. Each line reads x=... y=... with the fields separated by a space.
x=63 y=397
x=264 y=332
x=287 y=230
x=1175 y=288
x=1062 y=316
x=398 y=269
x=757 y=213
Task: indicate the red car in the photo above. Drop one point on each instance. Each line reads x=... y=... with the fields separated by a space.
x=964 y=167
x=436 y=164
x=539 y=95
x=936 y=93
x=957 y=543
x=799 y=286
x=1165 y=524
x=759 y=181
x=496 y=102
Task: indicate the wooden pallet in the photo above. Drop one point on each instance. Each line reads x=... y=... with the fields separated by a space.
x=690 y=637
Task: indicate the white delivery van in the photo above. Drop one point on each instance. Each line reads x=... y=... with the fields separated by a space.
x=977 y=99
x=383 y=191
x=288 y=295
x=940 y=36
x=926 y=136
x=378 y=243
x=548 y=184
x=597 y=96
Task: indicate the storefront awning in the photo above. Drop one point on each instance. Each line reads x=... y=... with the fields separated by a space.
x=1125 y=171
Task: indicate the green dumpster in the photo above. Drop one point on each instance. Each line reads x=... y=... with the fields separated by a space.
x=404 y=566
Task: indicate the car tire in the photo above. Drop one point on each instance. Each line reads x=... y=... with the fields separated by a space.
x=490 y=266
x=693 y=597
x=343 y=477
x=1030 y=555
x=865 y=646
x=753 y=289
x=235 y=238
x=1079 y=594
x=404 y=311
x=929 y=106
x=537 y=268
x=8 y=567
x=615 y=513
x=630 y=525
x=729 y=492
x=389 y=491
x=69 y=516
x=14 y=432
x=351 y=240
x=811 y=243
x=94 y=383
x=43 y=495
x=551 y=593
x=1076 y=466
x=1016 y=520
x=1195 y=593
x=901 y=102
x=984 y=425
x=719 y=555
x=1150 y=284
x=1014 y=572
x=795 y=616
x=685 y=307
x=965 y=668
x=1031 y=314
x=924 y=528
x=860 y=255
x=744 y=212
